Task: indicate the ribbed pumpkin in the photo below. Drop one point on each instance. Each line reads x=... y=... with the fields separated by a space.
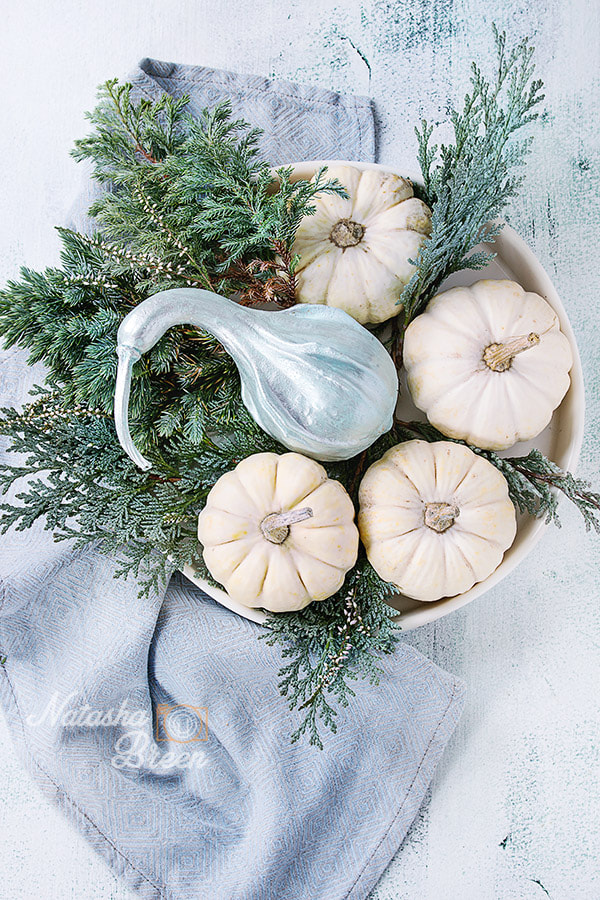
x=488 y=364
x=277 y=533
x=354 y=253
x=435 y=518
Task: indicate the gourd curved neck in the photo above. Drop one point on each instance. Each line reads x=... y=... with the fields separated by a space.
x=143 y=327
x=181 y=306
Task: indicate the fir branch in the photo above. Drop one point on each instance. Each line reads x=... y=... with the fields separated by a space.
x=185 y=253
x=128 y=131
x=533 y=481
x=469 y=182
x=69 y=318
x=151 y=267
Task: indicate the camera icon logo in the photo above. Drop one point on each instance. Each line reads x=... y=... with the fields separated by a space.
x=181 y=723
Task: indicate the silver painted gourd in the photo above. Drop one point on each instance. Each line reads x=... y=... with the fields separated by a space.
x=312 y=377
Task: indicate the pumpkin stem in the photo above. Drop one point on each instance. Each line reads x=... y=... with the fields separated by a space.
x=276 y=526
x=440 y=516
x=499 y=357
x=346 y=233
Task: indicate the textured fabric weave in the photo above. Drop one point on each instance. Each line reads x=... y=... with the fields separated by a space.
x=245 y=816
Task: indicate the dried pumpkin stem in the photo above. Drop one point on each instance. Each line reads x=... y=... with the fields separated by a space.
x=499 y=357
x=440 y=516
x=276 y=526
x=346 y=233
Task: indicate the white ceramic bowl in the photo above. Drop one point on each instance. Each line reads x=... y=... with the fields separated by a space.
x=560 y=441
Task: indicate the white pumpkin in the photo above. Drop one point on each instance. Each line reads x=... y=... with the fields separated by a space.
x=278 y=533
x=354 y=253
x=434 y=518
x=488 y=364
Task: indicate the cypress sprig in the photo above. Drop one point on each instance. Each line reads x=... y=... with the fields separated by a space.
x=192 y=198
x=331 y=644
x=469 y=182
x=534 y=482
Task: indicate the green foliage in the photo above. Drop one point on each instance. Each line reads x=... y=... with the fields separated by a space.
x=328 y=651
x=533 y=482
x=69 y=317
x=191 y=199
x=469 y=182
x=127 y=132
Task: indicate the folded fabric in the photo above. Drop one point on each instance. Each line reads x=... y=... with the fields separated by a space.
x=156 y=724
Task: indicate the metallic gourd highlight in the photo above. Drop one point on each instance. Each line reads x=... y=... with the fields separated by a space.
x=312 y=377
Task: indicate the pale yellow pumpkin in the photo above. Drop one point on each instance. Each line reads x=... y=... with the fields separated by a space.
x=354 y=253
x=277 y=533
x=488 y=364
x=434 y=518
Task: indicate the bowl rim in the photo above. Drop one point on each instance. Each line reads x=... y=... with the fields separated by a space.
x=509 y=240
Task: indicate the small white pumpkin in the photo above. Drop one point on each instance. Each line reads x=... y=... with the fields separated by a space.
x=354 y=253
x=278 y=533
x=488 y=364
x=434 y=518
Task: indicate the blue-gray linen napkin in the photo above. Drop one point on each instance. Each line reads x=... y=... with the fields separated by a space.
x=156 y=724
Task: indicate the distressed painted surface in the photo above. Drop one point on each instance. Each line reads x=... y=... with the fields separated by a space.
x=513 y=811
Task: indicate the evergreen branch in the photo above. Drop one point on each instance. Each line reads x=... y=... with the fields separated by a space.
x=331 y=644
x=69 y=318
x=203 y=208
x=146 y=264
x=130 y=133
x=533 y=481
x=469 y=183
x=185 y=253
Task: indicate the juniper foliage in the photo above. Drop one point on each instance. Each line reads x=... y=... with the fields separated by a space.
x=191 y=198
x=328 y=650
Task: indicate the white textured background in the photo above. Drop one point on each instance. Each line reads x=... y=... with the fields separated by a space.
x=514 y=810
